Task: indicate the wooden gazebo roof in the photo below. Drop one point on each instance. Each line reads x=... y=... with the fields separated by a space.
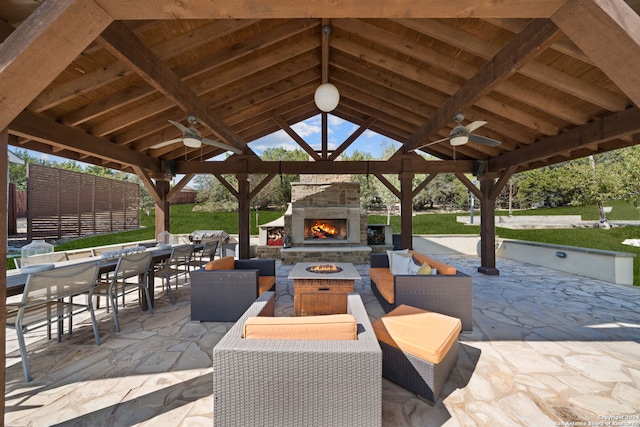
x=97 y=80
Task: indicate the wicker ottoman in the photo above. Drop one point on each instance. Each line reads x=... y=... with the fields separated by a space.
x=419 y=348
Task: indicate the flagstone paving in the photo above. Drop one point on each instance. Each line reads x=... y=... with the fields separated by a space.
x=547 y=348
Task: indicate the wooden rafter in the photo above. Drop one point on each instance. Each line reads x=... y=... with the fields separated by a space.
x=355 y=135
x=27 y=51
x=609 y=33
x=124 y=45
x=389 y=185
x=32 y=126
x=608 y=128
x=266 y=180
x=297 y=138
x=528 y=43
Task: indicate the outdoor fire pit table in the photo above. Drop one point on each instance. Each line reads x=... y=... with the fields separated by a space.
x=321 y=287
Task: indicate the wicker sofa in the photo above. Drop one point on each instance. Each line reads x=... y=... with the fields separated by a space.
x=280 y=382
x=450 y=293
x=224 y=288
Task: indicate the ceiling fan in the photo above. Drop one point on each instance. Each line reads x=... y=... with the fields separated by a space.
x=460 y=135
x=192 y=138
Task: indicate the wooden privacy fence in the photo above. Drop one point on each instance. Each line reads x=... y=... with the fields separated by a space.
x=64 y=203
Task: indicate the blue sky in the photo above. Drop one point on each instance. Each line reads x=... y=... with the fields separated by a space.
x=311 y=131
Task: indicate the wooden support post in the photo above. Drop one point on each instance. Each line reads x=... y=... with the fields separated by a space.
x=244 y=211
x=163 y=216
x=487 y=227
x=406 y=210
x=4 y=178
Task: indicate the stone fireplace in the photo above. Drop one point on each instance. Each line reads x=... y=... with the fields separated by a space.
x=325 y=220
x=325 y=212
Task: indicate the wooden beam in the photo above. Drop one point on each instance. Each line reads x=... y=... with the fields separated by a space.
x=179 y=186
x=326 y=36
x=297 y=138
x=118 y=40
x=355 y=135
x=204 y=9
x=267 y=179
x=527 y=44
x=32 y=126
x=502 y=181
x=283 y=54
x=4 y=177
x=389 y=185
x=226 y=184
x=608 y=31
x=534 y=69
x=423 y=184
x=148 y=184
x=613 y=126
x=27 y=65
x=417 y=74
x=469 y=184
x=393 y=166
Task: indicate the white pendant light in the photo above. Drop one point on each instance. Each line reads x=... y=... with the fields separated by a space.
x=327 y=97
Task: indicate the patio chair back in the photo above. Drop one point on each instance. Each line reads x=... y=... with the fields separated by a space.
x=177 y=264
x=133 y=265
x=205 y=255
x=131 y=272
x=44 y=302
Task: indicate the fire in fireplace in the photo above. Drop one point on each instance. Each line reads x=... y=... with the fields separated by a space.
x=335 y=229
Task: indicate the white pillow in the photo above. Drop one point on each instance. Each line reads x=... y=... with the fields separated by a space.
x=401 y=263
x=390 y=255
x=413 y=268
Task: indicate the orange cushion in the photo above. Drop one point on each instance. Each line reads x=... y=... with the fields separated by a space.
x=439 y=265
x=225 y=263
x=421 y=333
x=384 y=281
x=327 y=327
x=265 y=283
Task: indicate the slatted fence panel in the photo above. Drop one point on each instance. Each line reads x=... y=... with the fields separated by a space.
x=64 y=203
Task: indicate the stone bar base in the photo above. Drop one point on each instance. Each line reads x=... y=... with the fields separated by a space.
x=352 y=254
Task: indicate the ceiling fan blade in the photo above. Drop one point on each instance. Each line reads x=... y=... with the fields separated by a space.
x=180 y=126
x=431 y=143
x=165 y=143
x=484 y=140
x=474 y=125
x=221 y=145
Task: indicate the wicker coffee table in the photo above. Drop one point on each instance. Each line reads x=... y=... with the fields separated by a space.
x=324 y=291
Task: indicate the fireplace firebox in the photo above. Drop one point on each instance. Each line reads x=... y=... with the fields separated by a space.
x=325 y=229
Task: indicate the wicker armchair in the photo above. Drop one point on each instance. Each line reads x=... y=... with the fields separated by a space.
x=298 y=383
x=223 y=295
x=447 y=294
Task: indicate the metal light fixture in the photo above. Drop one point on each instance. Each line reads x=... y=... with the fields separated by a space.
x=459 y=139
x=192 y=142
x=327 y=97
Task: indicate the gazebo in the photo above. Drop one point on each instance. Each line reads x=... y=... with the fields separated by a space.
x=98 y=81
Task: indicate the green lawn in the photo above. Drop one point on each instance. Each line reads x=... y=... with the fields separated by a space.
x=184 y=220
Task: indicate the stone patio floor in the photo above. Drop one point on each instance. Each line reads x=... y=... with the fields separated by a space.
x=548 y=348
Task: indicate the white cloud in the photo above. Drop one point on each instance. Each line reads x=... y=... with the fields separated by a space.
x=305 y=129
x=278 y=139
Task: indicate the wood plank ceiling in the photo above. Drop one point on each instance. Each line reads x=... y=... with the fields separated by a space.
x=554 y=79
